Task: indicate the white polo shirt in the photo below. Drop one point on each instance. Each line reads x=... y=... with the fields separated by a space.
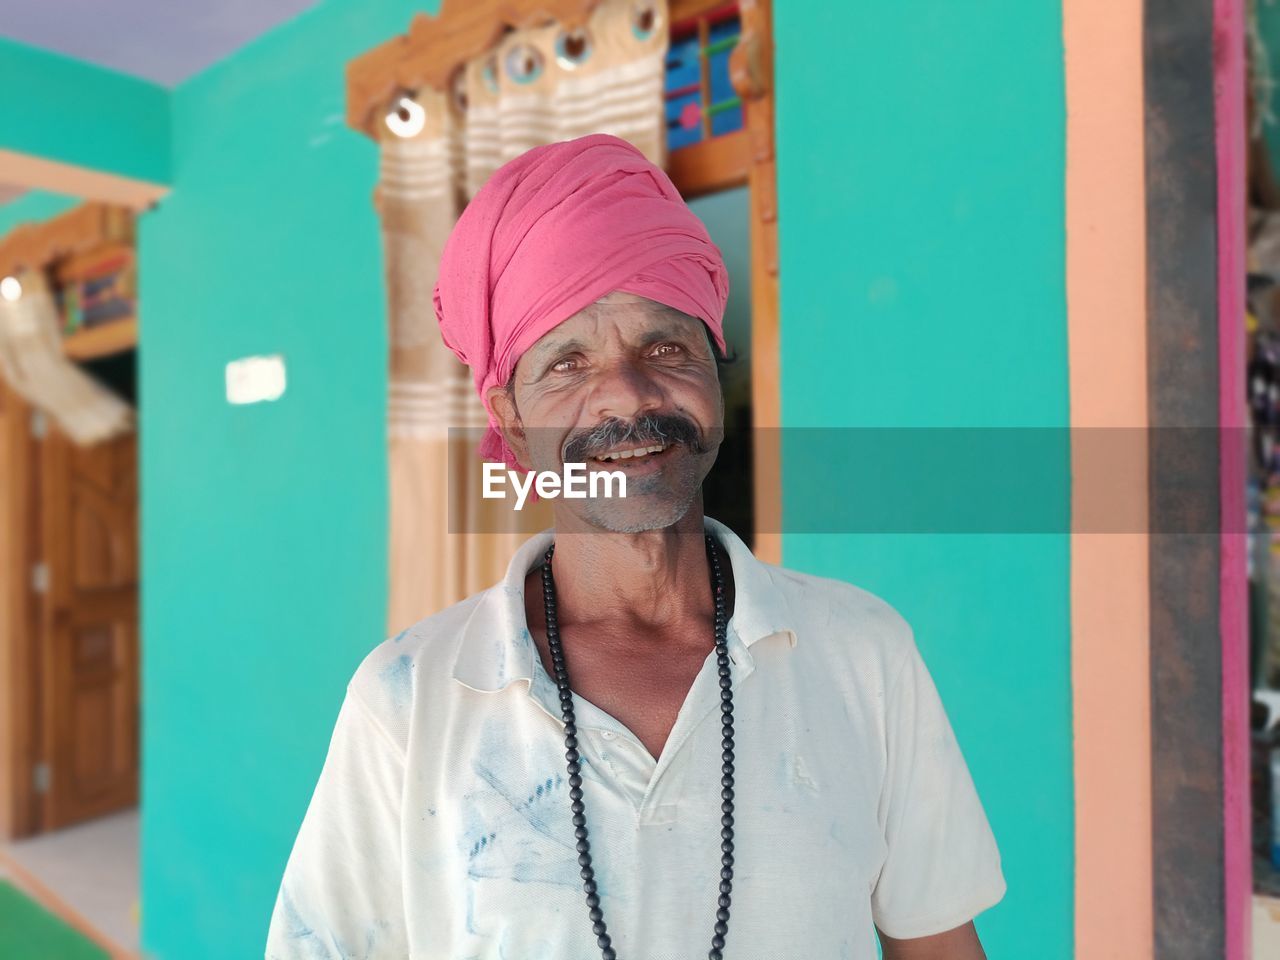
x=440 y=828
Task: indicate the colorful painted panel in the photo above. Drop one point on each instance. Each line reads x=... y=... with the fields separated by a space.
x=701 y=101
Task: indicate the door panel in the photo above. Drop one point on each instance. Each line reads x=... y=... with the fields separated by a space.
x=89 y=501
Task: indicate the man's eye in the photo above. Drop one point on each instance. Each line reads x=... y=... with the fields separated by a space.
x=565 y=365
x=667 y=350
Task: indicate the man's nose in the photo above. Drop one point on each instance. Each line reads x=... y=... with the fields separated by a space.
x=625 y=390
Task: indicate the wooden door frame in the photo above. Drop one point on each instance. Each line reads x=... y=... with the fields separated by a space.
x=21 y=680
x=24 y=680
x=753 y=77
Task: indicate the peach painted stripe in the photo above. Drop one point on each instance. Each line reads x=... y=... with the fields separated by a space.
x=1107 y=349
x=1228 y=17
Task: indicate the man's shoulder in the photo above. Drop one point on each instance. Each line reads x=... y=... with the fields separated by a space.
x=835 y=596
x=430 y=635
x=840 y=616
x=401 y=669
x=431 y=639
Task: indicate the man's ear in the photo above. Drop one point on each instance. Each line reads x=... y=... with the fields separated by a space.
x=503 y=404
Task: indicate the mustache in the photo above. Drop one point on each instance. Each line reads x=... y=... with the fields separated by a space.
x=648 y=428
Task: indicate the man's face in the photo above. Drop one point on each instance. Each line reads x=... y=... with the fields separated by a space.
x=623 y=376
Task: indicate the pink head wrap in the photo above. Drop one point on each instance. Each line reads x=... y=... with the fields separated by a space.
x=551 y=232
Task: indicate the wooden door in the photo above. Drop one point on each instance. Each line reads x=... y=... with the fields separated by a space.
x=89 y=580
x=21 y=738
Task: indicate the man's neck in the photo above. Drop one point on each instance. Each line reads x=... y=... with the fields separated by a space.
x=653 y=579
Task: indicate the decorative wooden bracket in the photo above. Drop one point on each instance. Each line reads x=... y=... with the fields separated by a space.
x=35 y=246
x=62 y=247
x=435 y=47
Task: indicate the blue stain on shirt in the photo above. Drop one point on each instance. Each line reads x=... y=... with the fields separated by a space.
x=398 y=678
x=471 y=906
x=478 y=847
x=372 y=935
x=499 y=657
x=298 y=930
x=541 y=950
x=327 y=945
x=529 y=808
x=519 y=833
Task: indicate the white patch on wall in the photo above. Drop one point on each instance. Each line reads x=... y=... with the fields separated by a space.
x=255 y=379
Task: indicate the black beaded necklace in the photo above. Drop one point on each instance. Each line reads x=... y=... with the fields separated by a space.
x=575 y=769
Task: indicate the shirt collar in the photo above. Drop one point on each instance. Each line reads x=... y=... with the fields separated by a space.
x=497 y=649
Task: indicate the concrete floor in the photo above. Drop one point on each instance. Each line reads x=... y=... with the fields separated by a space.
x=92 y=869
x=1266 y=928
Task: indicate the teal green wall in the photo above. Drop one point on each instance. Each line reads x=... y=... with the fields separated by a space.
x=922 y=265
x=33 y=206
x=922 y=277
x=263 y=526
x=62 y=109
x=1268 y=20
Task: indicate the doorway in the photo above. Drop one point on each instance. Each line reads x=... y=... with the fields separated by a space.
x=69 y=565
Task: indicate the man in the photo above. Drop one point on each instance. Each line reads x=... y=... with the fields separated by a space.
x=643 y=743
